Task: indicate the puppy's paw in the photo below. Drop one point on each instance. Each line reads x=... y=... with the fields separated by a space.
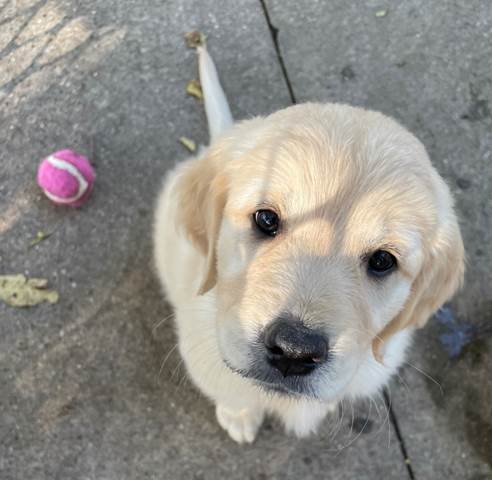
x=304 y=418
x=241 y=425
x=332 y=408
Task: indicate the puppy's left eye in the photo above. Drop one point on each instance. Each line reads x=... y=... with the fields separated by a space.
x=381 y=263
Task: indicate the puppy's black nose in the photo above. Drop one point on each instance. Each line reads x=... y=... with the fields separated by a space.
x=294 y=349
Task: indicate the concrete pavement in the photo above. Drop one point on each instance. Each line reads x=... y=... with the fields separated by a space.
x=92 y=387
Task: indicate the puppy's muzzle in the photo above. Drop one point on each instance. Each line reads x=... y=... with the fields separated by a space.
x=294 y=349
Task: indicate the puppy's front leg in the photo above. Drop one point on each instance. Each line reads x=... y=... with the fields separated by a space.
x=242 y=425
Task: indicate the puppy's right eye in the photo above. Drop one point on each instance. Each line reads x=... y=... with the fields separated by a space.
x=267 y=222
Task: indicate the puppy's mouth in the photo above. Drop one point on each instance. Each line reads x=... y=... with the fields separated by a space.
x=272 y=381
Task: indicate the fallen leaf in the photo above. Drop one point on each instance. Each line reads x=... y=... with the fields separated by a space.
x=194 y=39
x=40 y=236
x=195 y=89
x=188 y=143
x=381 y=13
x=19 y=291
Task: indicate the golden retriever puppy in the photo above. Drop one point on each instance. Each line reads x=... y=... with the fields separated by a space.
x=300 y=252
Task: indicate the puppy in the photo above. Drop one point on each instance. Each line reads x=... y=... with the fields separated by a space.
x=300 y=252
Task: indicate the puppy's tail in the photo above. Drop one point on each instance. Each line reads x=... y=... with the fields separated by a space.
x=216 y=107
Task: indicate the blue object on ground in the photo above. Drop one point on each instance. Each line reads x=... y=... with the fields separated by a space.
x=459 y=334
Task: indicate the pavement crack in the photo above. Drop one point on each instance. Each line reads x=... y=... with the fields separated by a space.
x=274 y=31
x=399 y=436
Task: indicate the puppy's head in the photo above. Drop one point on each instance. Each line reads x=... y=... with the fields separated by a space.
x=326 y=232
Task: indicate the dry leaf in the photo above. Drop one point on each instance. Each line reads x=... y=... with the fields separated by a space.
x=188 y=143
x=18 y=291
x=381 y=13
x=194 y=39
x=195 y=89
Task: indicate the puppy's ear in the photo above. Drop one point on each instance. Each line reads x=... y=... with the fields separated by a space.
x=201 y=192
x=440 y=276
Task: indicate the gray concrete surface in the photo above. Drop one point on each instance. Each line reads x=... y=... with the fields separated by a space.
x=87 y=389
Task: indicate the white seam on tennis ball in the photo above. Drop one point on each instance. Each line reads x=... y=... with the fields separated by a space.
x=67 y=167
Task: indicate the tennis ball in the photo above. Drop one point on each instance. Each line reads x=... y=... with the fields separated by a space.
x=66 y=178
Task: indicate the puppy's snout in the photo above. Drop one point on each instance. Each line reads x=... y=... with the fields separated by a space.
x=294 y=349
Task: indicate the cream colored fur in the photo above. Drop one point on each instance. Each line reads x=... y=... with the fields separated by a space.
x=345 y=182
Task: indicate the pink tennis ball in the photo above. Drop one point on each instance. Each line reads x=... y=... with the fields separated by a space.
x=66 y=178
